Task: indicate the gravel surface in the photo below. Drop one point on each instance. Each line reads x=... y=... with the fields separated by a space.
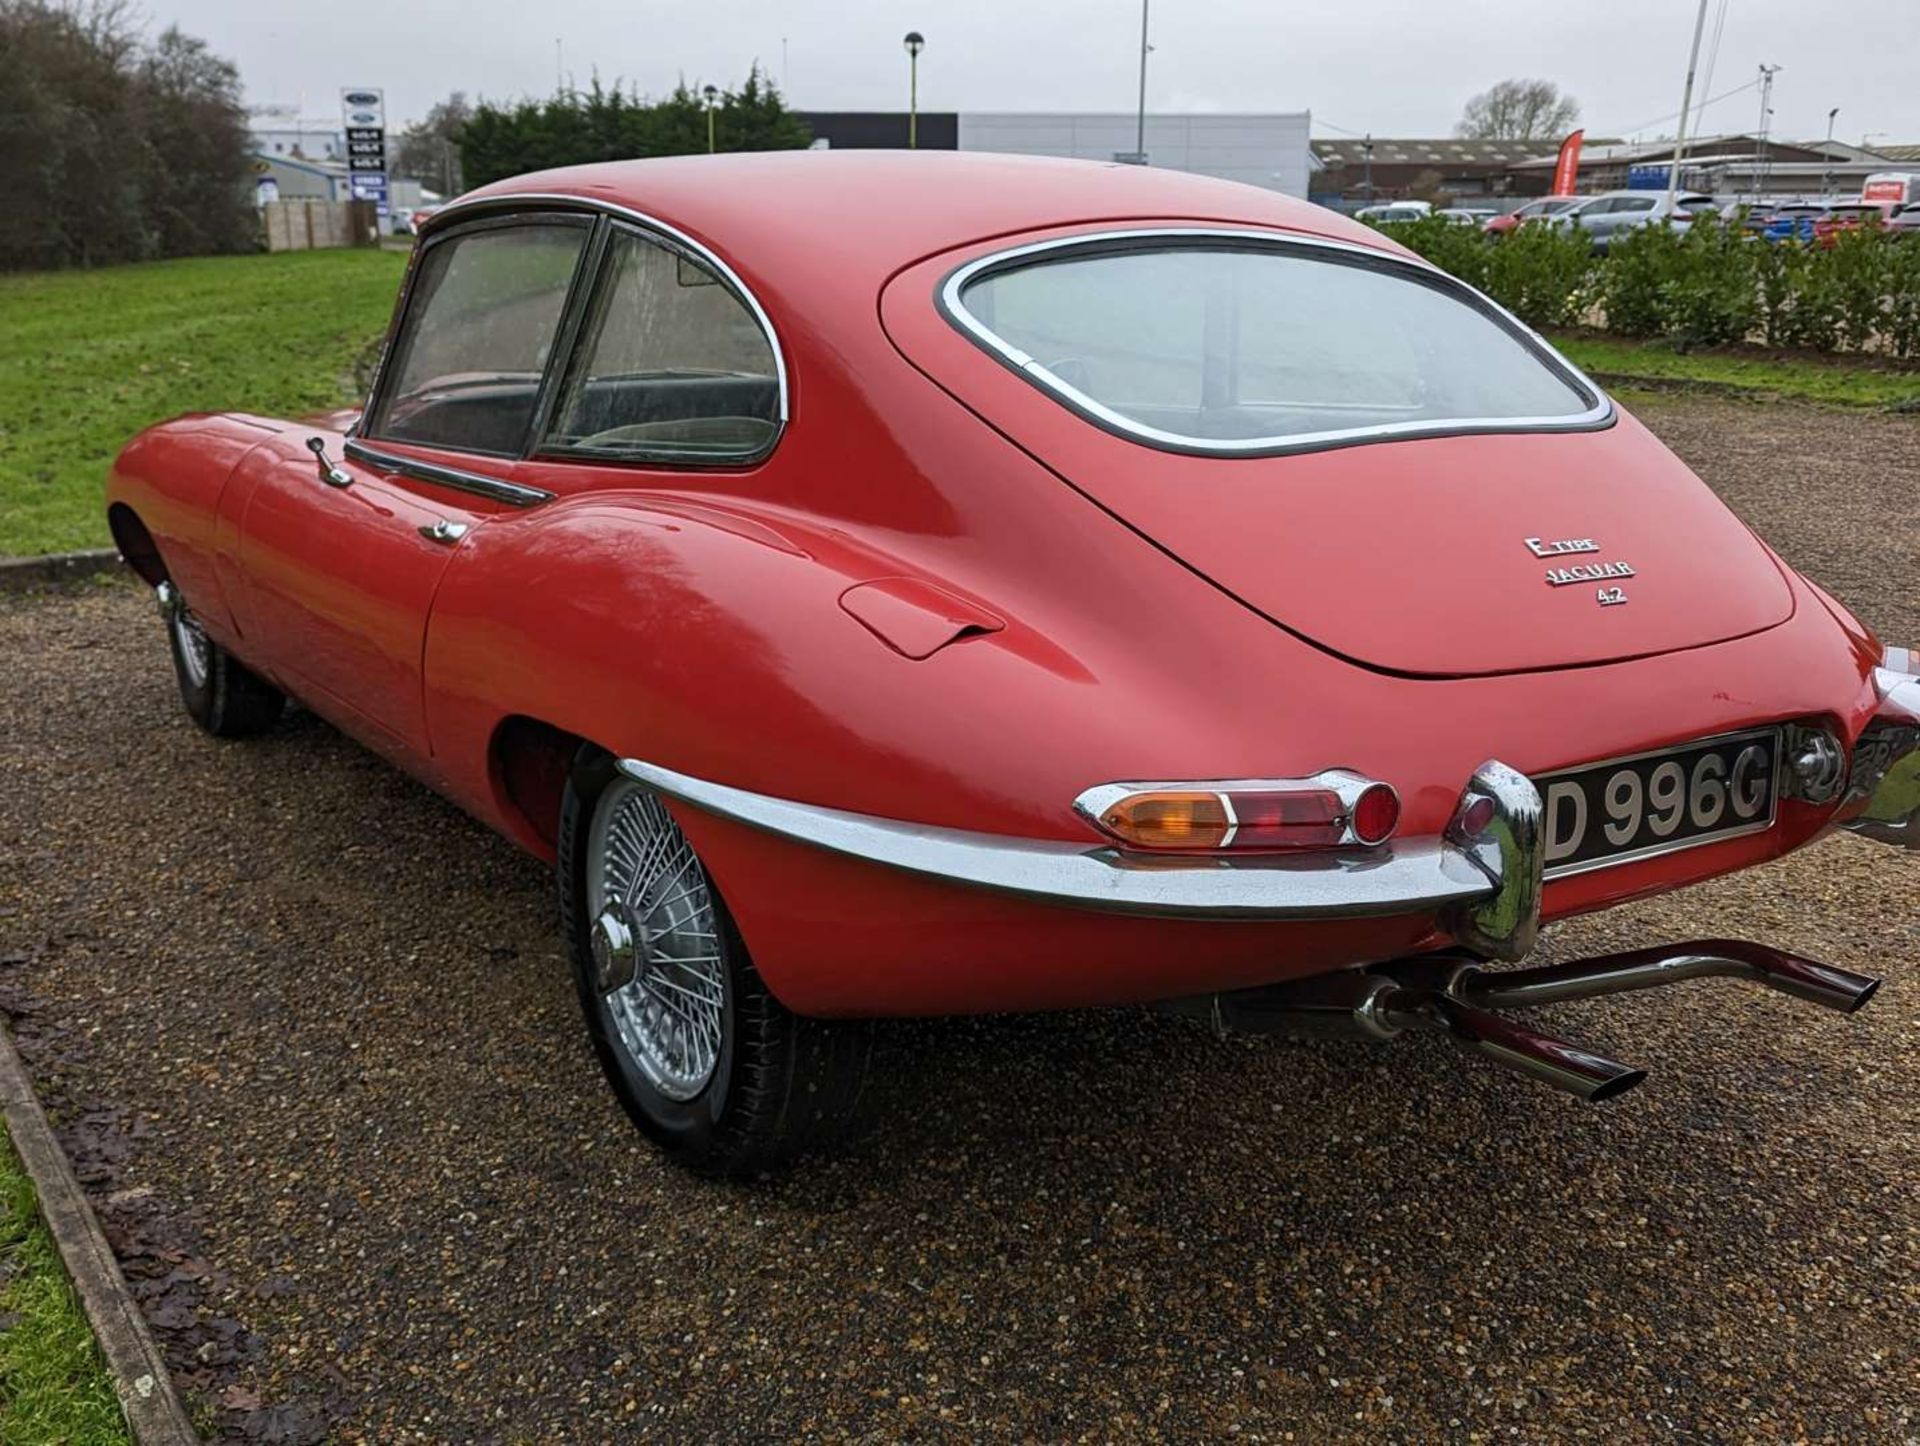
x=319 y=1058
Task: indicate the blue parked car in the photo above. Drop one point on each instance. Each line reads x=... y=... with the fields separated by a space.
x=1794 y=221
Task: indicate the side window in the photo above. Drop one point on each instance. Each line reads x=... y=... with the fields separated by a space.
x=671 y=365
x=476 y=338
x=1634 y=203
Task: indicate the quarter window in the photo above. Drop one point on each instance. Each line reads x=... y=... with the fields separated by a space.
x=479 y=330
x=672 y=365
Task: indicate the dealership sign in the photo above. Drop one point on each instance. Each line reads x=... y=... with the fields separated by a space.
x=364 y=113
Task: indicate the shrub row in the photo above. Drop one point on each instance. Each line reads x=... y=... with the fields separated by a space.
x=1704 y=285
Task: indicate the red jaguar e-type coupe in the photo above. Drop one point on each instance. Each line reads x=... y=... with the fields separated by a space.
x=911 y=583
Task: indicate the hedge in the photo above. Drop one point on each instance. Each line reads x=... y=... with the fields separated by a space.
x=1704 y=285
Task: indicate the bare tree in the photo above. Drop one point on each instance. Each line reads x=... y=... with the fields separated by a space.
x=430 y=151
x=1519 y=110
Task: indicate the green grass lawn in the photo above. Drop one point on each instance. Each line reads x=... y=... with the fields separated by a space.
x=53 y=1387
x=1846 y=381
x=87 y=358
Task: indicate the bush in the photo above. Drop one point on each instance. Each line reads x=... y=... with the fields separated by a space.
x=600 y=124
x=1541 y=273
x=1696 y=287
x=1859 y=265
x=1903 y=297
x=1711 y=284
x=1456 y=249
x=1634 y=278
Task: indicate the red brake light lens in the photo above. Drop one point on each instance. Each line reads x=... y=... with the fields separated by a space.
x=1273 y=819
x=1376 y=814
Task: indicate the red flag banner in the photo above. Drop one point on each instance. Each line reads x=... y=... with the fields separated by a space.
x=1566 y=170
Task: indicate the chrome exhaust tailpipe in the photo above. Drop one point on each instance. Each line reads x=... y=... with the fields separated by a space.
x=1381 y=1007
x=1457 y=997
x=1793 y=974
x=1580 y=1072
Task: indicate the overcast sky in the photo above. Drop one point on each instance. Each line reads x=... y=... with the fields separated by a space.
x=1391 y=67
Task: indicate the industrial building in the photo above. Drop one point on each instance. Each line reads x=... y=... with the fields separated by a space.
x=1268 y=150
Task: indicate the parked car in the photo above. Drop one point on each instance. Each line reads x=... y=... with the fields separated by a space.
x=1793 y=221
x=1532 y=210
x=1851 y=216
x=825 y=563
x=1613 y=213
x=1906 y=219
x=1461 y=216
x=1394 y=211
x=399 y=221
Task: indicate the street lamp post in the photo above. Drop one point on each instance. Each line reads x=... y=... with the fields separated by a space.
x=1140 y=125
x=712 y=94
x=1760 y=166
x=914 y=41
x=1826 y=171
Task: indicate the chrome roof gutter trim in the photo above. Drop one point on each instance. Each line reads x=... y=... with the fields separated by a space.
x=1409 y=876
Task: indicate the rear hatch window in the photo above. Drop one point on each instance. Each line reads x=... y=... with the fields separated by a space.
x=1218 y=343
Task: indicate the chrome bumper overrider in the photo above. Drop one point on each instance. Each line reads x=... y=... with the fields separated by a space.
x=1484 y=885
x=1886 y=760
x=1487 y=886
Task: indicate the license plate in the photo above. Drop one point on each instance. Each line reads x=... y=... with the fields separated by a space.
x=1653 y=803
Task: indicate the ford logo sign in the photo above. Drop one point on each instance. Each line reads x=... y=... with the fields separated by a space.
x=365 y=118
x=363 y=97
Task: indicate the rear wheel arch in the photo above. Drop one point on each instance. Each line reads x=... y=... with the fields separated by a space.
x=136 y=544
x=528 y=762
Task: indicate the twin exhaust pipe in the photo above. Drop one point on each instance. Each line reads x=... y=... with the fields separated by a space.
x=1456 y=997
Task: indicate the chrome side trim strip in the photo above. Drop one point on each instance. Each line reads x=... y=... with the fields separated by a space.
x=1600 y=414
x=474 y=204
x=1407 y=877
x=383 y=461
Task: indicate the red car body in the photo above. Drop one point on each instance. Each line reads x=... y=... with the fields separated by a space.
x=1851 y=216
x=946 y=603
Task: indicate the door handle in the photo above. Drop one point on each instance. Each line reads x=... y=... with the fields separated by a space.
x=329 y=474
x=444 y=531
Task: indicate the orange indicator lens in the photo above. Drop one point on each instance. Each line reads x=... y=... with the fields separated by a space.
x=1169 y=820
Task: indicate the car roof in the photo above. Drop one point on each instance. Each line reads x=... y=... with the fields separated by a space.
x=777 y=214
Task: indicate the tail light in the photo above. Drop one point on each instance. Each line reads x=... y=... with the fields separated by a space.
x=1329 y=810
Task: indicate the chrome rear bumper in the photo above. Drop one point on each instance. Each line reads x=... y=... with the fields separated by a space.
x=1487 y=886
x=1483 y=886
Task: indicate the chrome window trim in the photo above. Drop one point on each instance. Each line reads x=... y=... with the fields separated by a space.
x=1600 y=414
x=1409 y=876
x=469 y=206
x=402 y=305
x=383 y=461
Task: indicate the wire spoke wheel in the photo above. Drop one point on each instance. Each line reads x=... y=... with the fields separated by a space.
x=196 y=653
x=656 y=942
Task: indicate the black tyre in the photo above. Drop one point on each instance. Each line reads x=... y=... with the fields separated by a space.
x=707 y=1062
x=220 y=693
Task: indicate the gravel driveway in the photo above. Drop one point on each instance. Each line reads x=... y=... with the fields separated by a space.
x=320 y=1061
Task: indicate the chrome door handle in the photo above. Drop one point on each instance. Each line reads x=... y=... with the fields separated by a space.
x=444 y=531
x=329 y=474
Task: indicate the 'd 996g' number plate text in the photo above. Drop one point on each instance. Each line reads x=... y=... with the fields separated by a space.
x=1628 y=808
